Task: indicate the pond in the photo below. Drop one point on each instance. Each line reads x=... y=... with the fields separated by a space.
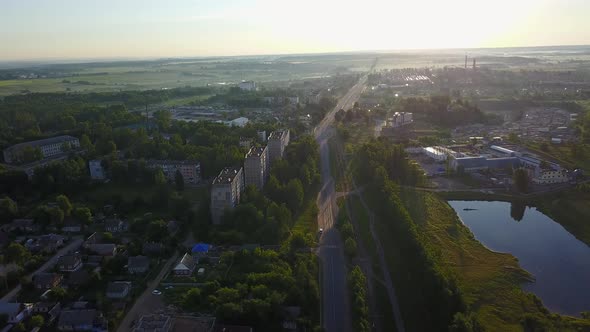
x=559 y=262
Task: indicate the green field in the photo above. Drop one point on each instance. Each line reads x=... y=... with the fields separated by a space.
x=166 y=74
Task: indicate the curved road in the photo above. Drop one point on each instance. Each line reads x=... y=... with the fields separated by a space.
x=72 y=246
x=336 y=315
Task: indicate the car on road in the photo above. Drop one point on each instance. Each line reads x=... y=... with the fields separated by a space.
x=156 y=292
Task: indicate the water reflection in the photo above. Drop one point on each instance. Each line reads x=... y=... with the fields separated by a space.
x=559 y=261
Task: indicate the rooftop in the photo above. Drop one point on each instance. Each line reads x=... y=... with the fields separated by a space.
x=171 y=162
x=277 y=134
x=256 y=152
x=47 y=141
x=227 y=175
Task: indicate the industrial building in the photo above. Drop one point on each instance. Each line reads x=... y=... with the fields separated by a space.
x=440 y=153
x=474 y=164
x=256 y=167
x=226 y=191
x=400 y=119
x=247 y=86
x=48 y=147
x=277 y=142
x=505 y=151
x=550 y=176
x=190 y=169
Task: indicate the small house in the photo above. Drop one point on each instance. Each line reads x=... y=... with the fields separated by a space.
x=69 y=263
x=46 y=280
x=82 y=320
x=118 y=289
x=78 y=278
x=185 y=266
x=115 y=226
x=138 y=264
x=71 y=226
x=104 y=249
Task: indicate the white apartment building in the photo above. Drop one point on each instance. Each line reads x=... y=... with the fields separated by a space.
x=226 y=191
x=49 y=147
x=277 y=142
x=256 y=167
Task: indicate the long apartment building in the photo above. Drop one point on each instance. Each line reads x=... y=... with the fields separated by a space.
x=49 y=147
x=277 y=142
x=190 y=169
x=256 y=167
x=226 y=191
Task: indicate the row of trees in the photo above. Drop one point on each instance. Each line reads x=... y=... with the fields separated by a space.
x=428 y=294
x=443 y=111
x=380 y=160
x=358 y=289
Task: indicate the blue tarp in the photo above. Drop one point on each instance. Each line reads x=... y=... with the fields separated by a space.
x=201 y=247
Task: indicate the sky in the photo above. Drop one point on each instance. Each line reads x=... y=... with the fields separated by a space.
x=91 y=29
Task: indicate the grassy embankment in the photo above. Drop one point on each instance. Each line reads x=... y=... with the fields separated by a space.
x=490 y=282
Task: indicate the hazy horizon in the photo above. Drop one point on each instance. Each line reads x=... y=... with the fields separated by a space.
x=70 y=29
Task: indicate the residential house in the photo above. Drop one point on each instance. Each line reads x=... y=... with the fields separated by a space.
x=104 y=249
x=185 y=266
x=115 y=225
x=78 y=278
x=71 y=226
x=172 y=227
x=47 y=280
x=118 y=289
x=15 y=312
x=138 y=264
x=4 y=239
x=152 y=248
x=50 y=310
x=94 y=261
x=159 y=323
x=24 y=226
x=69 y=262
x=93 y=238
x=82 y=320
x=49 y=243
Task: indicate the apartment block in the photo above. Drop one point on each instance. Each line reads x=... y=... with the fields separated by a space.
x=48 y=147
x=256 y=167
x=225 y=191
x=190 y=169
x=277 y=142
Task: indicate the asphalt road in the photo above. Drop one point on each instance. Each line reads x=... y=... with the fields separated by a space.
x=72 y=246
x=336 y=315
x=147 y=303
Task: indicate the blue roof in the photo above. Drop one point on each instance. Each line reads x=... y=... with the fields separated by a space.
x=201 y=247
